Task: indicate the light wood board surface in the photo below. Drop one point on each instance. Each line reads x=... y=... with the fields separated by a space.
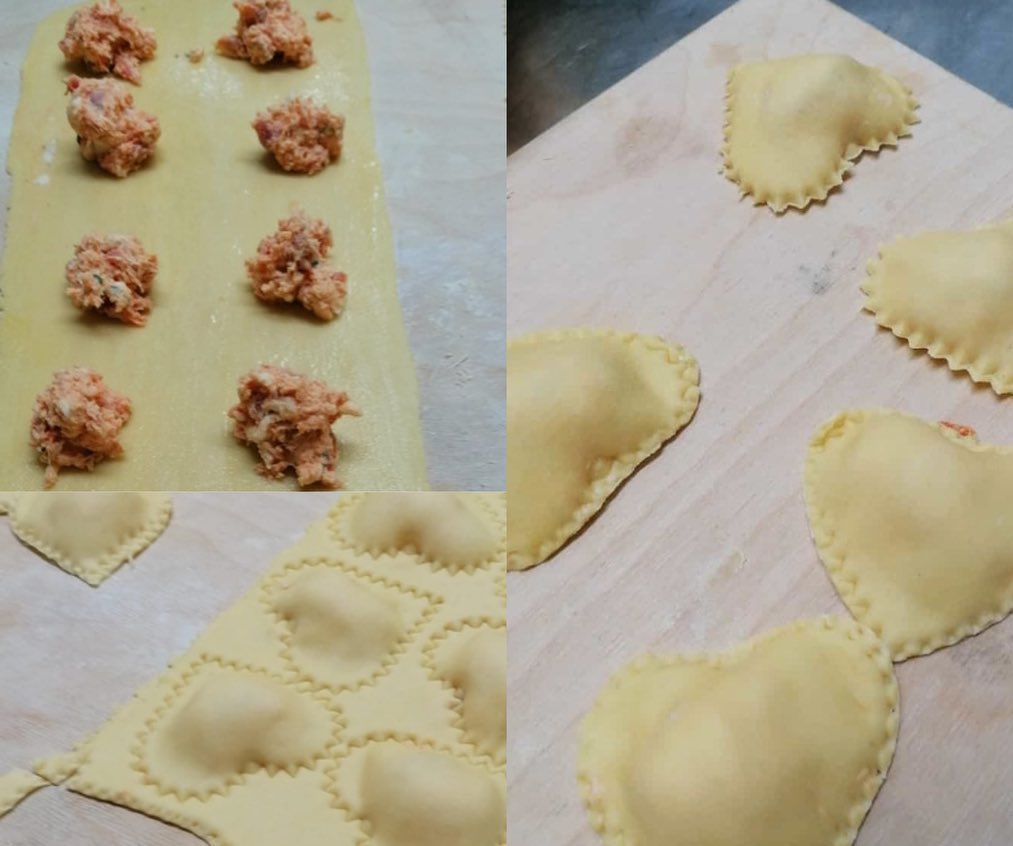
x=70 y=654
x=438 y=75
x=618 y=217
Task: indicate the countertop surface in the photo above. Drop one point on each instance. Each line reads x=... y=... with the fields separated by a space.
x=70 y=654
x=563 y=53
x=446 y=201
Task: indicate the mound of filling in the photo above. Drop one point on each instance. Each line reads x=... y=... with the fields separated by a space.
x=290 y=267
x=112 y=275
x=288 y=418
x=110 y=131
x=76 y=422
x=302 y=136
x=266 y=30
x=108 y=40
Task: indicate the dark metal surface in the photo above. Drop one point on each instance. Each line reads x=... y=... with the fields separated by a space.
x=561 y=53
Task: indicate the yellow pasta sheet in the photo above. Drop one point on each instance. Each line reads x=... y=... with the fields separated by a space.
x=202 y=205
x=350 y=697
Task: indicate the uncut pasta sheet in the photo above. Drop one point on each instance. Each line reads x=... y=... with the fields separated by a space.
x=202 y=205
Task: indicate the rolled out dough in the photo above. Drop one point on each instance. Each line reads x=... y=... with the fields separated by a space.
x=202 y=205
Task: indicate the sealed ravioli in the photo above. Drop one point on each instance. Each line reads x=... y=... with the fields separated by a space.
x=411 y=793
x=951 y=294
x=910 y=519
x=784 y=739
x=584 y=408
x=223 y=722
x=16 y=786
x=311 y=712
x=89 y=534
x=471 y=657
x=346 y=628
x=447 y=530
x=793 y=126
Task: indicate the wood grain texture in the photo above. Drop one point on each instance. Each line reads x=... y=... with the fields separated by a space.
x=618 y=217
x=70 y=655
x=438 y=74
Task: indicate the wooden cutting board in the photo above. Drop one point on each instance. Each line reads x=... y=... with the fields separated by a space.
x=70 y=654
x=438 y=76
x=618 y=217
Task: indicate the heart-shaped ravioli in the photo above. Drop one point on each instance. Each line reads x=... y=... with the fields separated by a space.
x=223 y=723
x=784 y=740
x=343 y=628
x=471 y=657
x=410 y=794
x=445 y=529
x=793 y=126
x=912 y=522
x=89 y=534
x=950 y=293
x=584 y=408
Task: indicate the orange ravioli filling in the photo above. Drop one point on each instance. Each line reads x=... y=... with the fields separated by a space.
x=112 y=275
x=289 y=267
x=110 y=131
x=288 y=418
x=302 y=137
x=266 y=30
x=76 y=422
x=107 y=40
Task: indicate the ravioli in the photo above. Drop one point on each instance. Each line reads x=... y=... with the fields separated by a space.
x=951 y=294
x=16 y=786
x=784 y=739
x=309 y=712
x=910 y=520
x=224 y=722
x=346 y=629
x=471 y=657
x=584 y=408
x=90 y=535
x=442 y=528
x=794 y=126
x=415 y=794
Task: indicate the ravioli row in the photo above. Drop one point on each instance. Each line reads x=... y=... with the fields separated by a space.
x=358 y=688
x=787 y=737
x=586 y=407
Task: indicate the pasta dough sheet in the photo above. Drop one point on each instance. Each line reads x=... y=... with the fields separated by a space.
x=202 y=205
x=347 y=692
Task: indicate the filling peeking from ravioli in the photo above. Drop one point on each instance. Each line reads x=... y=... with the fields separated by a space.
x=786 y=738
x=911 y=520
x=794 y=126
x=951 y=294
x=584 y=408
